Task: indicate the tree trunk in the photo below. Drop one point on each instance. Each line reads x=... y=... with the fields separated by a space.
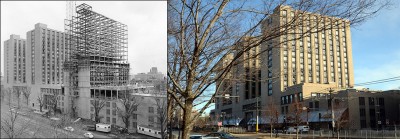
x=271 y=129
x=187 y=116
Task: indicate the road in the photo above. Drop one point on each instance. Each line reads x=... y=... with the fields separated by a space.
x=34 y=125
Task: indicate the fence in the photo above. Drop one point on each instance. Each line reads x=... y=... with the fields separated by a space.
x=367 y=134
x=235 y=130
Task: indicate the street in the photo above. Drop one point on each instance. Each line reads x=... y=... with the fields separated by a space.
x=33 y=125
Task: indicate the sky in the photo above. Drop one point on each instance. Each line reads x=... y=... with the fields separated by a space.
x=376 y=49
x=146 y=21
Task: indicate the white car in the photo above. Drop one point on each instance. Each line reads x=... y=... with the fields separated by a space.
x=88 y=135
x=69 y=128
x=196 y=137
x=291 y=130
x=303 y=128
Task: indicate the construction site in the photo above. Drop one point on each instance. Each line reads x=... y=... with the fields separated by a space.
x=96 y=61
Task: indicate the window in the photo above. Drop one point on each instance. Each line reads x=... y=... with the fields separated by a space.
x=151 y=110
x=134 y=116
x=371 y=101
x=114 y=112
x=361 y=101
x=108 y=104
x=108 y=111
x=317 y=104
x=114 y=105
x=114 y=120
x=362 y=112
x=134 y=124
x=381 y=102
x=108 y=119
x=151 y=119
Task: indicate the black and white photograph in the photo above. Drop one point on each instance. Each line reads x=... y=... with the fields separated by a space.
x=200 y=69
x=83 y=69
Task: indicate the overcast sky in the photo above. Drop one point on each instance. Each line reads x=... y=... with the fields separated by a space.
x=146 y=21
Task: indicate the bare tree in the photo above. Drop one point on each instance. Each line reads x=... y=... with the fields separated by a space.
x=41 y=101
x=342 y=119
x=26 y=93
x=201 y=34
x=98 y=105
x=10 y=127
x=53 y=102
x=17 y=90
x=3 y=94
x=272 y=113
x=295 y=114
x=161 y=105
x=129 y=106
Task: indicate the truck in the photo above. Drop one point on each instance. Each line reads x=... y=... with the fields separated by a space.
x=103 y=127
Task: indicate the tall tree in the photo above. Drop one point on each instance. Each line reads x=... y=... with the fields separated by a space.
x=98 y=105
x=202 y=33
x=41 y=101
x=161 y=105
x=17 y=90
x=272 y=113
x=129 y=106
x=295 y=114
x=9 y=124
x=26 y=92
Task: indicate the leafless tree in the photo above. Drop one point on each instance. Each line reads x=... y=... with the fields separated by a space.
x=10 y=127
x=17 y=91
x=98 y=105
x=26 y=93
x=295 y=114
x=272 y=113
x=3 y=94
x=8 y=94
x=41 y=101
x=342 y=119
x=201 y=34
x=161 y=105
x=129 y=106
x=52 y=101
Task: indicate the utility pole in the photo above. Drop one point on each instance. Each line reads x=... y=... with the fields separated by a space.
x=257 y=115
x=333 y=115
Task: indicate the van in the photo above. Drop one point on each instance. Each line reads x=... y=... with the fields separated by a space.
x=103 y=127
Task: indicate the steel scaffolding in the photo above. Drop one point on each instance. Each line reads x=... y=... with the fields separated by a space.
x=98 y=44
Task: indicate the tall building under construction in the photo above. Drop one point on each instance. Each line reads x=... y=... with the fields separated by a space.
x=96 y=63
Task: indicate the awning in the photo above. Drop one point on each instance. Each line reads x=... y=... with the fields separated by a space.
x=313 y=116
x=232 y=121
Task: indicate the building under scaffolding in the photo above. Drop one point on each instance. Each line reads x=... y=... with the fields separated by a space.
x=96 y=63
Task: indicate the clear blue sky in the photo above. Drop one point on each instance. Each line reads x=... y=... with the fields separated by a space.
x=376 y=49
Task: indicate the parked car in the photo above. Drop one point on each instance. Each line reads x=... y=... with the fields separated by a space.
x=90 y=127
x=291 y=130
x=303 y=128
x=196 y=137
x=88 y=135
x=221 y=135
x=69 y=128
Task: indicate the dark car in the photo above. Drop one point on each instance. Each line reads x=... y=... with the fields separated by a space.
x=90 y=127
x=221 y=135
